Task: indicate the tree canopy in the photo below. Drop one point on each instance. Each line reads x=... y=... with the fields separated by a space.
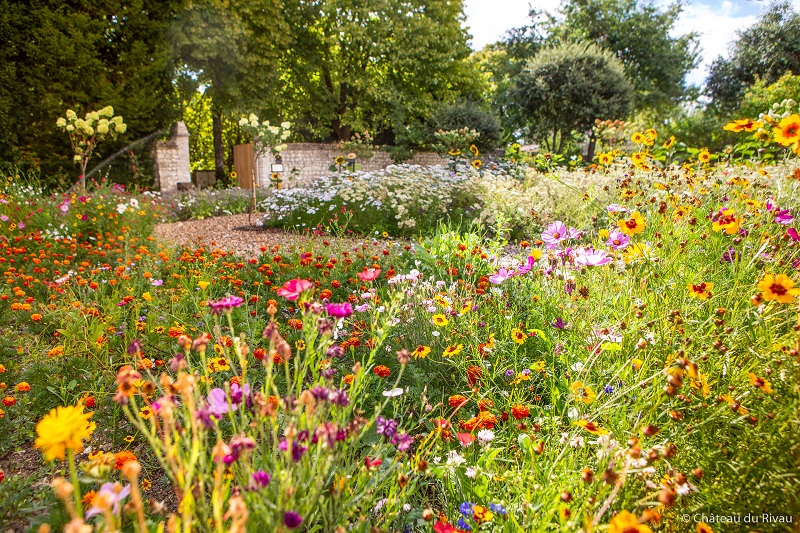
x=82 y=54
x=566 y=87
x=764 y=51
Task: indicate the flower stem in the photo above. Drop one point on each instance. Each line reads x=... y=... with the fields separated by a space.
x=73 y=474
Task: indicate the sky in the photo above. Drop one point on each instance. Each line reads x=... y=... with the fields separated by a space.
x=717 y=22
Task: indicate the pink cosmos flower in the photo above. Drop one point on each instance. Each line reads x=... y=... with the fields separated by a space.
x=793 y=234
x=554 y=234
x=292 y=289
x=369 y=274
x=501 y=276
x=618 y=240
x=590 y=257
x=524 y=269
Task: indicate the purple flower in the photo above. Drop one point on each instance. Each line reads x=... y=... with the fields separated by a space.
x=218 y=402
x=386 y=427
x=501 y=276
x=339 y=398
x=297 y=451
x=363 y=307
x=793 y=234
x=239 y=393
x=203 y=415
x=616 y=208
x=590 y=257
x=403 y=441
x=260 y=479
x=112 y=493
x=559 y=323
x=729 y=256
x=555 y=234
x=225 y=305
x=292 y=520
x=509 y=373
x=618 y=240
x=342 y=310
x=157 y=282
x=319 y=393
x=335 y=351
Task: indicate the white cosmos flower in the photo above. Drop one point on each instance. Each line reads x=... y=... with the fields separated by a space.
x=393 y=393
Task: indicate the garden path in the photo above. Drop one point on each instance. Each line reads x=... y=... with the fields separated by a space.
x=231 y=233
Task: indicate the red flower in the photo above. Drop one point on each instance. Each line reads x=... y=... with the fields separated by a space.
x=90 y=402
x=372 y=464
x=8 y=401
x=473 y=375
x=457 y=400
x=369 y=274
x=382 y=371
x=441 y=527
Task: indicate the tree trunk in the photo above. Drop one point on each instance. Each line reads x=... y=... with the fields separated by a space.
x=219 y=148
x=561 y=144
x=591 y=148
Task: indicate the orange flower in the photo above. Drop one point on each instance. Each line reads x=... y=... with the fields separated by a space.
x=382 y=371
x=123 y=457
x=626 y=522
x=788 y=130
x=486 y=420
x=23 y=386
x=457 y=400
x=520 y=411
x=8 y=401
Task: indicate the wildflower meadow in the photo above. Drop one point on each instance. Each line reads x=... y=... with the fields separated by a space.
x=611 y=348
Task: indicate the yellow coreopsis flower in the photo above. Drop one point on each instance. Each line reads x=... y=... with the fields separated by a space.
x=788 y=130
x=779 y=288
x=62 y=429
x=633 y=225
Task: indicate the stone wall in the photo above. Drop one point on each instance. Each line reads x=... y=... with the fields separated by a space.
x=171 y=160
x=312 y=161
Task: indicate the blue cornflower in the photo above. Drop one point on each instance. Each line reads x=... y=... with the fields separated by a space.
x=498 y=508
x=463 y=525
x=466 y=508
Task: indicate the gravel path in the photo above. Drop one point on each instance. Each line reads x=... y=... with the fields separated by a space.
x=231 y=233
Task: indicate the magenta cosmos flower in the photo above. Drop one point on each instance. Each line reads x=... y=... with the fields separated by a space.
x=225 y=305
x=342 y=310
x=555 y=234
x=590 y=257
x=292 y=289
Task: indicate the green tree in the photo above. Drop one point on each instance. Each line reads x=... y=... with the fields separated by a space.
x=81 y=55
x=232 y=47
x=640 y=35
x=566 y=87
x=765 y=51
x=760 y=97
x=473 y=116
x=376 y=65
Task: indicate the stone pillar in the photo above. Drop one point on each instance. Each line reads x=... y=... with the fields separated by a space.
x=171 y=158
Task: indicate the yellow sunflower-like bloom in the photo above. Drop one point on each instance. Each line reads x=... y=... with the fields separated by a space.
x=62 y=429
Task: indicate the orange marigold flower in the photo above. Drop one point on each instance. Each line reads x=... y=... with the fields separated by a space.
x=520 y=411
x=382 y=371
x=123 y=457
x=23 y=386
x=457 y=400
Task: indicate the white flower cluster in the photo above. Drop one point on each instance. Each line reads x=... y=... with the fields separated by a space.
x=94 y=123
x=266 y=137
x=403 y=192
